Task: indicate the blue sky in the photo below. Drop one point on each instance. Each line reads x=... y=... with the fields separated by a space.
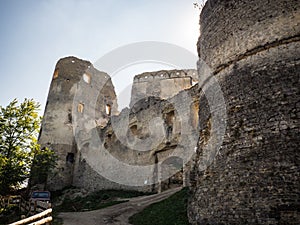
x=35 y=34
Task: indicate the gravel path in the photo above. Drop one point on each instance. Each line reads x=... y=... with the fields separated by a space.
x=116 y=214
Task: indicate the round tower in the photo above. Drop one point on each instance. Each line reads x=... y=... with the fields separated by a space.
x=72 y=75
x=252 y=48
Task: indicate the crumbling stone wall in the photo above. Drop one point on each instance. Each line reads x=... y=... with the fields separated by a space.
x=57 y=130
x=82 y=125
x=109 y=140
x=163 y=84
x=252 y=48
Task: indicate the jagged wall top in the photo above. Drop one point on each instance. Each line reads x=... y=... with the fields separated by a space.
x=163 y=84
x=166 y=74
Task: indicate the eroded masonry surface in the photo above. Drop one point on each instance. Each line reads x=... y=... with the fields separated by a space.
x=252 y=50
x=82 y=124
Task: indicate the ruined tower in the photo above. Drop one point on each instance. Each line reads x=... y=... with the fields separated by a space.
x=252 y=48
x=73 y=85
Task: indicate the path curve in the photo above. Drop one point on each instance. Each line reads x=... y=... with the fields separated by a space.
x=116 y=214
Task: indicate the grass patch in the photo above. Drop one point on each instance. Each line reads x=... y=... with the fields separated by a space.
x=96 y=200
x=171 y=211
x=93 y=201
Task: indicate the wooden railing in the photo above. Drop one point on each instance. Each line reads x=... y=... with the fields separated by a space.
x=11 y=200
x=38 y=219
x=39 y=212
x=33 y=207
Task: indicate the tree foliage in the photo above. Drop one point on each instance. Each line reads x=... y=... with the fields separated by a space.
x=44 y=160
x=19 y=127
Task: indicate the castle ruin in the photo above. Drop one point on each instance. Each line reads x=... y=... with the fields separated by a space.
x=252 y=50
x=82 y=122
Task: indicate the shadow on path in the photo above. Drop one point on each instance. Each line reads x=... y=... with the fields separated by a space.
x=116 y=214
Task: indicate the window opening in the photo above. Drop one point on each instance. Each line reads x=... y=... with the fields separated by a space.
x=70 y=157
x=87 y=78
x=133 y=129
x=80 y=107
x=108 y=109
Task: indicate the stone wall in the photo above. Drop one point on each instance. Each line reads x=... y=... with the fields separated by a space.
x=93 y=141
x=75 y=82
x=163 y=84
x=252 y=48
x=146 y=135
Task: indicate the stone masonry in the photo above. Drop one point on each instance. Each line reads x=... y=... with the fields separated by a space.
x=57 y=129
x=82 y=125
x=163 y=84
x=252 y=48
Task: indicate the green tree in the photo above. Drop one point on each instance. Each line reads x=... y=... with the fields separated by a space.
x=19 y=127
x=44 y=160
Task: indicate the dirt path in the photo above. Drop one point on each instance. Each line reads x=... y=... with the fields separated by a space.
x=116 y=214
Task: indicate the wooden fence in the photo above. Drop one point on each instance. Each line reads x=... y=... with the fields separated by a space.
x=38 y=219
x=38 y=212
x=11 y=200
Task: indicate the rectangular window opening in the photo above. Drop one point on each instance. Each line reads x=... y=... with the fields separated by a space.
x=108 y=109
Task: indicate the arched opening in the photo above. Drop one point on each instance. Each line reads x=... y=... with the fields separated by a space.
x=171 y=173
x=80 y=107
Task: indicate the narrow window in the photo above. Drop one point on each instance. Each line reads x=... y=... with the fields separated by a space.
x=69 y=117
x=87 y=78
x=108 y=109
x=169 y=119
x=70 y=157
x=194 y=114
x=169 y=132
x=80 y=107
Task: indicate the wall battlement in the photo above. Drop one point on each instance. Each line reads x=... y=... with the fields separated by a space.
x=166 y=74
x=163 y=84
